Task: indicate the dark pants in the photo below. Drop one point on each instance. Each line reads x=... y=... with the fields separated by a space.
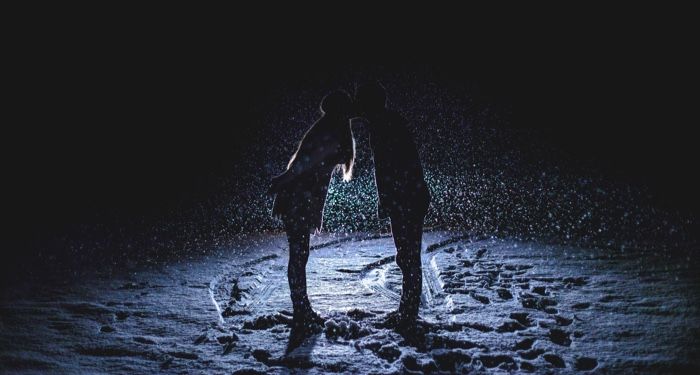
x=407 y=231
x=298 y=237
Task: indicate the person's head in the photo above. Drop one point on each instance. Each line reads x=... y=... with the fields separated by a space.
x=338 y=103
x=370 y=98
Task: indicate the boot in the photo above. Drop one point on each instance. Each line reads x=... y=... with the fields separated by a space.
x=305 y=323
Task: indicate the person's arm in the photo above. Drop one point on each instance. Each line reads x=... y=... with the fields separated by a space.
x=279 y=181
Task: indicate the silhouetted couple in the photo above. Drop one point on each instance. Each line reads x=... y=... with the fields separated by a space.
x=403 y=194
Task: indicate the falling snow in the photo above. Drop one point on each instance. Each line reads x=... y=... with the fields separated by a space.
x=533 y=262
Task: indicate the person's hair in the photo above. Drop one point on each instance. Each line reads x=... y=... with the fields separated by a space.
x=340 y=102
x=371 y=96
x=347 y=146
x=337 y=102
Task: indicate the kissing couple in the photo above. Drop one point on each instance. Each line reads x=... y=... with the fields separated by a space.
x=300 y=194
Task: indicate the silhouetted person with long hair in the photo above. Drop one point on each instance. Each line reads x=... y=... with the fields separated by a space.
x=301 y=195
x=403 y=193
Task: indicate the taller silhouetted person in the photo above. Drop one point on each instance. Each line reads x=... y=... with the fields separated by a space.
x=403 y=193
x=301 y=195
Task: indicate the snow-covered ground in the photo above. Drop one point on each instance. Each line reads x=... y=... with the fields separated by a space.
x=495 y=305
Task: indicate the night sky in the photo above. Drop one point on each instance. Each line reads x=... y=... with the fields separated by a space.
x=127 y=136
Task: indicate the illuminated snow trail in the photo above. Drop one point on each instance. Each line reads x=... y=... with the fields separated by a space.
x=491 y=304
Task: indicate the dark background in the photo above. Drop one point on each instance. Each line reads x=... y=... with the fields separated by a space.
x=135 y=126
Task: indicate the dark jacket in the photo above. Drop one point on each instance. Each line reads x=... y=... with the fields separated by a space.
x=301 y=201
x=398 y=170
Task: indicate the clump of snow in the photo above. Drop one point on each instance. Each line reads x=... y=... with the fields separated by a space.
x=266 y=322
x=344 y=328
x=451 y=360
x=390 y=352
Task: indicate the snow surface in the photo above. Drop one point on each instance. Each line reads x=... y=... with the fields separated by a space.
x=495 y=305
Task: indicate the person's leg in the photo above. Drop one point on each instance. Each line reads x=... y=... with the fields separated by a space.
x=303 y=315
x=298 y=237
x=407 y=233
